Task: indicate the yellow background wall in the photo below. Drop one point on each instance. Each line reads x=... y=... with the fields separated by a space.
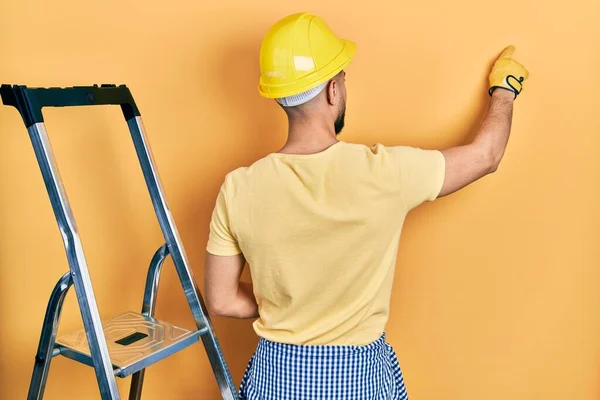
x=497 y=294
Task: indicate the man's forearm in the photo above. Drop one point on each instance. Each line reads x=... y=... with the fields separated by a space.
x=495 y=129
x=246 y=302
x=467 y=163
x=242 y=306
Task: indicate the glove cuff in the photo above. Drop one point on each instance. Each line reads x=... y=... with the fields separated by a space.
x=510 y=83
x=503 y=88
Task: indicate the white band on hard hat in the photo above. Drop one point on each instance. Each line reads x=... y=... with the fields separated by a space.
x=301 y=98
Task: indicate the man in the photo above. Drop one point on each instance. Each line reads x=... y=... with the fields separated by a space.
x=319 y=222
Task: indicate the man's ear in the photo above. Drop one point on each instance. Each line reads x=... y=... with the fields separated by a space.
x=332 y=91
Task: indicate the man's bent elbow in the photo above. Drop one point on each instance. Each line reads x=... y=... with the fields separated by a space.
x=491 y=161
x=216 y=308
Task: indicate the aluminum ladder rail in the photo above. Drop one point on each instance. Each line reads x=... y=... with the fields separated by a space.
x=129 y=343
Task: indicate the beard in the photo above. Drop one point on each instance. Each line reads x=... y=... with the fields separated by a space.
x=339 y=122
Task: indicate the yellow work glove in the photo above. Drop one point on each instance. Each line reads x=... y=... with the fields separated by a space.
x=507 y=73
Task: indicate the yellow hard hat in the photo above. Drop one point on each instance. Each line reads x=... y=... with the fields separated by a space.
x=299 y=53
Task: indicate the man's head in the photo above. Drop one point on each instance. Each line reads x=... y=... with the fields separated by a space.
x=329 y=103
x=302 y=63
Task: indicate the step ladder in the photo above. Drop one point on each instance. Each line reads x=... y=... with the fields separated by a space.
x=129 y=343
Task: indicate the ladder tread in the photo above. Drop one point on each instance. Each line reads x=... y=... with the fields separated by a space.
x=134 y=341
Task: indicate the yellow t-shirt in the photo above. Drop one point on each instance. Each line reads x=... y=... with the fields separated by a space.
x=320 y=233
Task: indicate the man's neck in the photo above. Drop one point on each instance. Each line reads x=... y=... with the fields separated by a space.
x=309 y=137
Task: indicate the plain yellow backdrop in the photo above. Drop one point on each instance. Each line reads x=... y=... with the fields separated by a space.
x=497 y=293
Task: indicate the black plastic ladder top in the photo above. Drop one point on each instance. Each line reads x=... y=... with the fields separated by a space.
x=30 y=101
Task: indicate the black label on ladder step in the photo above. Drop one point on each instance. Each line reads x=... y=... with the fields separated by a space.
x=134 y=337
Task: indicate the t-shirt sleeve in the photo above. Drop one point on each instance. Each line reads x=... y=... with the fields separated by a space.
x=421 y=173
x=221 y=241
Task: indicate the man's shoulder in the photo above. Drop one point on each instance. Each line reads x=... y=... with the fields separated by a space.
x=369 y=150
x=244 y=174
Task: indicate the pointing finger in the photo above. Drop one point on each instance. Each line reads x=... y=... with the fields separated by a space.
x=508 y=52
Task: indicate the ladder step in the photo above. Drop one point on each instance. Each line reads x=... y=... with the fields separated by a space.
x=134 y=342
